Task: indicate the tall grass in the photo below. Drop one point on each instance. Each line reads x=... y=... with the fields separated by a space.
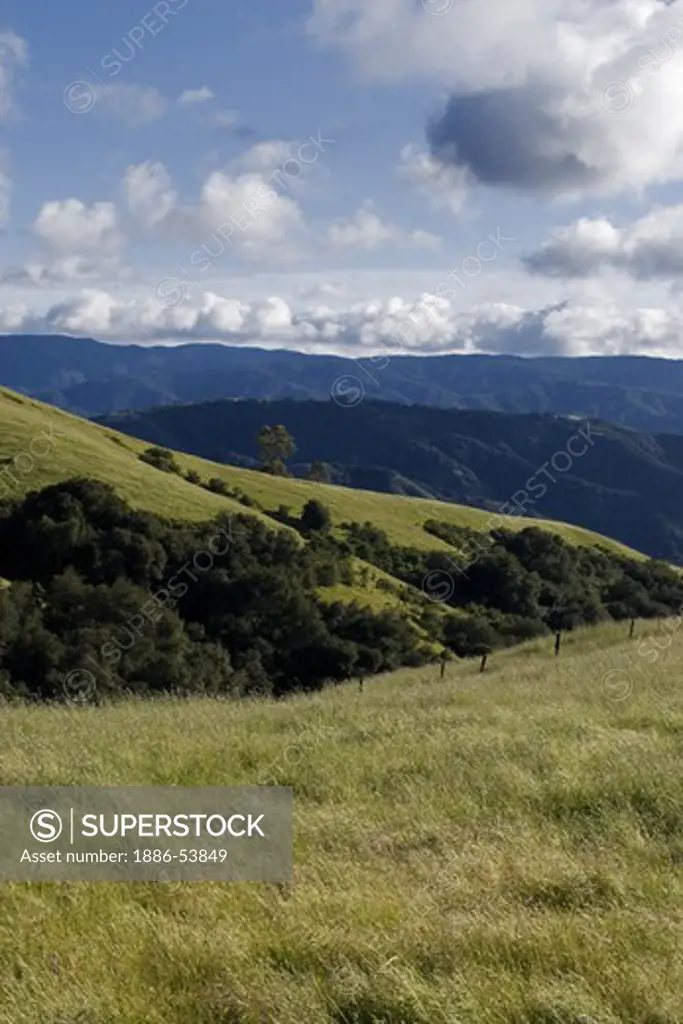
x=504 y=847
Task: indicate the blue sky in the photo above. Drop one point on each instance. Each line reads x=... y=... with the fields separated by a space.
x=533 y=150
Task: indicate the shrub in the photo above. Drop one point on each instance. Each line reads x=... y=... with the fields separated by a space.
x=315 y=518
x=218 y=486
x=160 y=458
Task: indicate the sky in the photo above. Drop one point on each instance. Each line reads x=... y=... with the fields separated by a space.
x=348 y=176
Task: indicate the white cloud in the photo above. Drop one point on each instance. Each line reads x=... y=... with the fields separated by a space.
x=13 y=317
x=68 y=226
x=191 y=97
x=94 y=313
x=77 y=243
x=322 y=290
x=149 y=194
x=530 y=103
x=273 y=315
x=423 y=323
x=648 y=248
x=64 y=270
x=239 y=215
x=243 y=214
x=266 y=156
x=227 y=119
x=13 y=55
x=227 y=316
x=479 y=47
x=366 y=230
x=445 y=187
x=132 y=104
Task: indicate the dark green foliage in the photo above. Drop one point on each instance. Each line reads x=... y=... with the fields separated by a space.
x=218 y=486
x=382 y=642
x=470 y=636
x=193 y=477
x=276 y=445
x=460 y=537
x=319 y=472
x=315 y=517
x=283 y=514
x=146 y=606
x=521 y=585
x=160 y=458
x=230 y=607
x=500 y=574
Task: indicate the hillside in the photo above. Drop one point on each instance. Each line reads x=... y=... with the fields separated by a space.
x=84 y=448
x=626 y=485
x=309 y=583
x=93 y=378
x=497 y=850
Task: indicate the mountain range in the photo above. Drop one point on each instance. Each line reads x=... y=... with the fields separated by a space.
x=93 y=378
x=467 y=429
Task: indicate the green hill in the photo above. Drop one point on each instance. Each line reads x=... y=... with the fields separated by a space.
x=369 y=583
x=593 y=474
x=497 y=849
x=82 y=448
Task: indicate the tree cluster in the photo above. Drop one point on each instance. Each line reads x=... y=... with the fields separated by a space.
x=147 y=606
x=522 y=584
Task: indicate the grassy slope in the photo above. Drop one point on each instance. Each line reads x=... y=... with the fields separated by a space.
x=500 y=849
x=81 y=449
x=87 y=449
x=402 y=518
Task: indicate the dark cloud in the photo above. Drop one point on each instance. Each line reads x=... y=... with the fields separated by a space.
x=557 y=260
x=507 y=137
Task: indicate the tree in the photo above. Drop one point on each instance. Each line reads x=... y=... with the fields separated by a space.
x=499 y=580
x=470 y=636
x=276 y=445
x=315 y=518
x=319 y=473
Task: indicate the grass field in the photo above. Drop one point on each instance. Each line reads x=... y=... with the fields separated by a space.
x=502 y=848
